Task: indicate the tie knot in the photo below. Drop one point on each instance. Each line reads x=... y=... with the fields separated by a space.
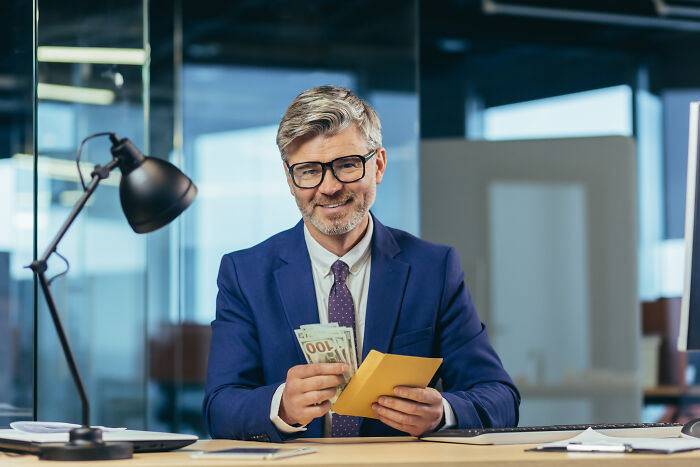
x=340 y=271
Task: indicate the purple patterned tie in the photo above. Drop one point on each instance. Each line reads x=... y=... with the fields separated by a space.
x=341 y=310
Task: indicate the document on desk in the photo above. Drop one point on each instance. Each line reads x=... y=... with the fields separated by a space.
x=378 y=375
x=592 y=441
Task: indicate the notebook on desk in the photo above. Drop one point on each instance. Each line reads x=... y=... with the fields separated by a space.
x=546 y=434
x=592 y=441
x=143 y=441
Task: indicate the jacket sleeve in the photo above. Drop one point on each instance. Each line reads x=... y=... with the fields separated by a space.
x=474 y=381
x=237 y=400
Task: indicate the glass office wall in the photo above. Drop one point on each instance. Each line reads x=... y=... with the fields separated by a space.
x=202 y=84
x=92 y=77
x=16 y=212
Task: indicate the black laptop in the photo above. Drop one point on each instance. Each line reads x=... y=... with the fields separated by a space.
x=143 y=441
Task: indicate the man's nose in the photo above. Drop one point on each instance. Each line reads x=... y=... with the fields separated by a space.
x=330 y=184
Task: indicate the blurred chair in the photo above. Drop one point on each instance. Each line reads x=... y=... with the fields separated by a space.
x=178 y=355
x=677 y=375
x=661 y=317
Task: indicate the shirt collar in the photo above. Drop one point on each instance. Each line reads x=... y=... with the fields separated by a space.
x=324 y=259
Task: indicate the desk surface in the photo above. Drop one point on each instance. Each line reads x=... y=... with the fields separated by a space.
x=384 y=452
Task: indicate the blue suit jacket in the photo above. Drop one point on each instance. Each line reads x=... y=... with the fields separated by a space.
x=417 y=305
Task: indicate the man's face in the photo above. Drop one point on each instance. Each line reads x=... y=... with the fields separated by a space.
x=333 y=207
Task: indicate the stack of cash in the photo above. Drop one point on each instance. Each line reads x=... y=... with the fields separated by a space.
x=329 y=343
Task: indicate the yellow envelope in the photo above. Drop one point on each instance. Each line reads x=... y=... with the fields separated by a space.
x=378 y=375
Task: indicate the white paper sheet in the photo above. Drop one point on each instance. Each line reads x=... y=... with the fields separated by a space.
x=52 y=427
x=590 y=439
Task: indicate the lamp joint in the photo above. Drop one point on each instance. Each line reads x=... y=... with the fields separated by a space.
x=101 y=172
x=38 y=266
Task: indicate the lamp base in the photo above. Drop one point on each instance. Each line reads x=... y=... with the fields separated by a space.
x=86 y=445
x=96 y=452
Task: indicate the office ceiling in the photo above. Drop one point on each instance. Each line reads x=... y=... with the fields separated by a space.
x=528 y=38
x=299 y=33
x=559 y=46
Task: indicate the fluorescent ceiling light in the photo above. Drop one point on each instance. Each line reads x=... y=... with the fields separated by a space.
x=62 y=169
x=91 y=55
x=57 y=92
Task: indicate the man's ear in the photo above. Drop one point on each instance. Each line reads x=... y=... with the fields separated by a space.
x=380 y=163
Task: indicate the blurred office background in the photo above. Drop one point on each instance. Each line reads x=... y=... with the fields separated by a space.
x=556 y=108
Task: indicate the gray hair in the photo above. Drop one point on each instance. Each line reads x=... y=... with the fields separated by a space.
x=327 y=111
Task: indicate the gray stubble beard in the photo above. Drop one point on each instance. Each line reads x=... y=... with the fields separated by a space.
x=336 y=227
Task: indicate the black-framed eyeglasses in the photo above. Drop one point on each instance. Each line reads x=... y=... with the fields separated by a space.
x=346 y=169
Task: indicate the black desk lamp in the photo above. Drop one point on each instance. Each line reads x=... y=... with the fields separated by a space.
x=153 y=192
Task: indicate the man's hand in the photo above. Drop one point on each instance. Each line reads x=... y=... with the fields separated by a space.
x=307 y=390
x=415 y=410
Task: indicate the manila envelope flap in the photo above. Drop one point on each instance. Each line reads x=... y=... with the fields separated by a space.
x=378 y=375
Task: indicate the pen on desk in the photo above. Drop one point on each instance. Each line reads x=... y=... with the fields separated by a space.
x=591 y=447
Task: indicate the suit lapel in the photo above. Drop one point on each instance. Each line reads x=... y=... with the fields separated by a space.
x=387 y=284
x=388 y=277
x=295 y=282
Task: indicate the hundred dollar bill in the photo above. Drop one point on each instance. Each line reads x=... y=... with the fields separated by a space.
x=320 y=349
x=324 y=350
x=329 y=343
x=344 y=337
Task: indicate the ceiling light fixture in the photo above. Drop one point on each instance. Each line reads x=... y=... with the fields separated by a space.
x=106 y=55
x=58 y=92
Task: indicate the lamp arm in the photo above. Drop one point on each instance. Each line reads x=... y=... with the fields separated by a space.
x=70 y=359
x=98 y=174
x=39 y=267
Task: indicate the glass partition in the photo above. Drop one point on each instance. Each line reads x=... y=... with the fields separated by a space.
x=92 y=77
x=16 y=212
x=202 y=84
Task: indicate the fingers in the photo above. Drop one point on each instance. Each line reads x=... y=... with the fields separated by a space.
x=417 y=411
x=424 y=395
x=397 y=415
x=318 y=410
x=313 y=384
x=316 y=397
x=405 y=406
x=403 y=422
x=314 y=390
x=316 y=383
x=317 y=369
x=305 y=414
x=297 y=407
x=317 y=388
x=308 y=389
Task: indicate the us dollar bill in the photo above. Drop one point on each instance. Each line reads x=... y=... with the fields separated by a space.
x=329 y=343
x=324 y=350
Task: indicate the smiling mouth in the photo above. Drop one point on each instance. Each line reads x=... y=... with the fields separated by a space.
x=336 y=205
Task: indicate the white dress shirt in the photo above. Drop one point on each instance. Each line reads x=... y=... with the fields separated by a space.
x=359 y=260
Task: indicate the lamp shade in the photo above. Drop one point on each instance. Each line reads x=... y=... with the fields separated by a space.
x=153 y=192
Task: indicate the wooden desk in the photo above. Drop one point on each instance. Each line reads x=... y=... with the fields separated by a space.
x=384 y=452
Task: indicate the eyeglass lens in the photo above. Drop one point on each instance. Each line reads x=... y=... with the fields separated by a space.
x=346 y=169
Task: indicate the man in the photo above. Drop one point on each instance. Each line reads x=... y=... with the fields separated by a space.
x=401 y=294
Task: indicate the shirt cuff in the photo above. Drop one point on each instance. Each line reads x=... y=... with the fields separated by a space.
x=450 y=419
x=280 y=424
